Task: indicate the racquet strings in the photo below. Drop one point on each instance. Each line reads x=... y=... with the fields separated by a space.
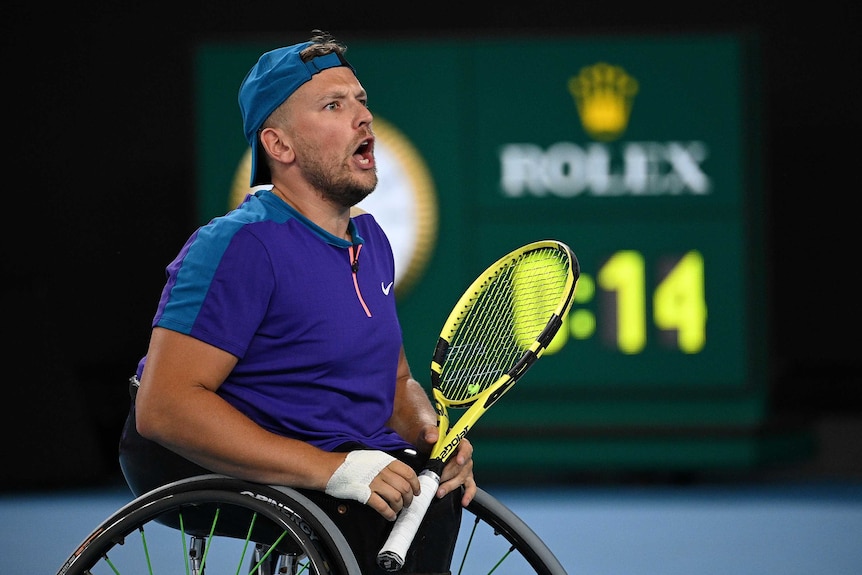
x=509 y=312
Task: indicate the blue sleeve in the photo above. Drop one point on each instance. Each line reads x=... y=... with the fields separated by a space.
x=218 y=287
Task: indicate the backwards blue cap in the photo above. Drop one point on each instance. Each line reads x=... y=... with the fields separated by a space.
x=270 y=82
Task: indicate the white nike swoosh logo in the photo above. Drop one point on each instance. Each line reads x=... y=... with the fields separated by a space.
x=386 y=288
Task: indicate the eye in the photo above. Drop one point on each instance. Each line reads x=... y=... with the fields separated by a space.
x=332 y=106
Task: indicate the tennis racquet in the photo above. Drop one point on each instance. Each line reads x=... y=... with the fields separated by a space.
x=498 y=329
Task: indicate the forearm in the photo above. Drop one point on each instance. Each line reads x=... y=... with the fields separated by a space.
x=413 y=415
x=218 y=437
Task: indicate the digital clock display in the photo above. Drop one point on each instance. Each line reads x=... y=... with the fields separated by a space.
x=677 y=306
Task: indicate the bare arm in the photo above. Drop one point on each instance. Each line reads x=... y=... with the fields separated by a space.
x=177 y=407
x=413 y=416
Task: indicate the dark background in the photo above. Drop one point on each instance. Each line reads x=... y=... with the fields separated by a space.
x=99 y=188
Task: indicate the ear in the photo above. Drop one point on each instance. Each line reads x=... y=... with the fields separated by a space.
x=274 y=141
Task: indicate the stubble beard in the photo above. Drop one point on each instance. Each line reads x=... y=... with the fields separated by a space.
x=344 y=190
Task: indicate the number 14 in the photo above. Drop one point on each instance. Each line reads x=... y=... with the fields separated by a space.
x=678 y=302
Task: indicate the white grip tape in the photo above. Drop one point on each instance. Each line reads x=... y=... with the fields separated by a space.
x=391 y=557
x=352 y=479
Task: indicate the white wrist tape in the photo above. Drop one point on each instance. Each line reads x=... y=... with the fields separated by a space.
x=352 y=479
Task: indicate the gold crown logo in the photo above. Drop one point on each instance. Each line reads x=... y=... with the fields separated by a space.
x=604 y=95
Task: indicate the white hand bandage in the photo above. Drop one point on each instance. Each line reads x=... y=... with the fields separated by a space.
x=352 y=479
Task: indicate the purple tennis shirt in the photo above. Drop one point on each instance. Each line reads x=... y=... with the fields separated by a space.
x=317 y=354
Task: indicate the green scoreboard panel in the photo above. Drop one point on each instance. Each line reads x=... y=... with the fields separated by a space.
x=640 y=152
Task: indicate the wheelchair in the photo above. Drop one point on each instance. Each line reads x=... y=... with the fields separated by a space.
x=218 y=524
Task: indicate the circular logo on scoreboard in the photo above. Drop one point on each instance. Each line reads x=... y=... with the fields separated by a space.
x=404 y=202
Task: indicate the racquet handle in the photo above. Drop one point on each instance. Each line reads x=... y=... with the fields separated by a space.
x=391 y=557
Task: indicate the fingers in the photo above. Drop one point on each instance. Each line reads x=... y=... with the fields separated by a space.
x=393 y=489
x=395 y=486
x=430 y=434
x=458 y=472
x=382 y=507
x=426 y=439
x=470 y=488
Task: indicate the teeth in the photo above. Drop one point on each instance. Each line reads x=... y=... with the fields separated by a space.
x=361 y=151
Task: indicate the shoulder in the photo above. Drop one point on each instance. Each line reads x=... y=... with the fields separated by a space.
x=255 y=215
x=364 y=221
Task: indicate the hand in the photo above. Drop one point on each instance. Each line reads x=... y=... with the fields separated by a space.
x=376 y=479
x=458 y=472
x=393 y=489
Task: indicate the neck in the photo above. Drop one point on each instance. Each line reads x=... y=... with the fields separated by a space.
x=333 y=219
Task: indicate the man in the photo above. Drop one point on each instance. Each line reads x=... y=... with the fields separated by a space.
x=275 y=355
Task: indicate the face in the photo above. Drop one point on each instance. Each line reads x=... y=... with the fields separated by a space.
x=332 y=138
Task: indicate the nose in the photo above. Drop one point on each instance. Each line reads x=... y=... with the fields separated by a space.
x=363 y=116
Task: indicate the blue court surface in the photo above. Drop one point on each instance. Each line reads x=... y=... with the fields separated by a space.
x=802 y=528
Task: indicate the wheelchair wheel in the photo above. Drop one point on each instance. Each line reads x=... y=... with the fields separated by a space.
x=217 y=524
x=493 y=538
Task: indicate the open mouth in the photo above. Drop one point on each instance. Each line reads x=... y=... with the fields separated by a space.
x=364 y=154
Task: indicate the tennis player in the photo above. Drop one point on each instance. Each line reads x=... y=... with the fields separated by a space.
x=276 y=353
